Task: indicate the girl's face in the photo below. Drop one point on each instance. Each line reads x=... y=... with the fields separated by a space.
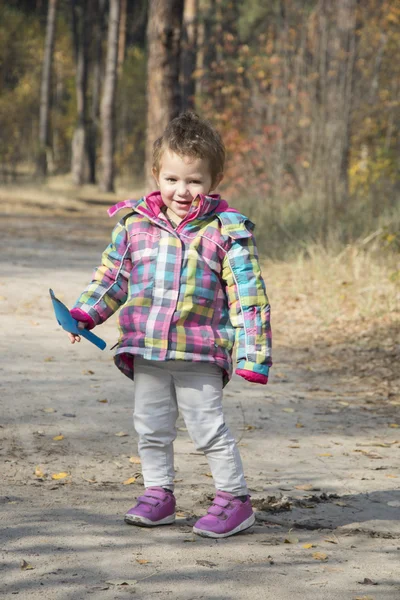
x=181 y=179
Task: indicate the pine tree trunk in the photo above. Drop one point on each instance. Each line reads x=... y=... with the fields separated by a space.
x=163 y=91
x=79 y=160
x=94 y=124
x=108 y=99
x=45 y=90
x=189 y=53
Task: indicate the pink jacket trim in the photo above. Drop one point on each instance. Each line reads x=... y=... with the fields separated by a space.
x=252 y=376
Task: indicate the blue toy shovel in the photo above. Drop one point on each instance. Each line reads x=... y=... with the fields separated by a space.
x=70 y=324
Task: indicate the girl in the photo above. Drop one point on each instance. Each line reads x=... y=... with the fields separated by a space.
x=184 y=268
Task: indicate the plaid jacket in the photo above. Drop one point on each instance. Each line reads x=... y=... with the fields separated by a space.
x=187 y=293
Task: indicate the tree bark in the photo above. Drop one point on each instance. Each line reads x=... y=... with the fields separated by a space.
x=108 y=99
x=189 y=53
x=163 y=91
x=80 y=18
x=45 y=90
x=94 y=120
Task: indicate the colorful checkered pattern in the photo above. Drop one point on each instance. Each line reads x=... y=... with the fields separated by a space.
x=187 y=293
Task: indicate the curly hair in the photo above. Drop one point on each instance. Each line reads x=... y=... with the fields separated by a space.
x=189 y=135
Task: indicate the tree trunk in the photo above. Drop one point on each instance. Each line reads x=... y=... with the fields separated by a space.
x=80 y=18
x=108 y=99
x=189 y=53
x=45 y=90
x=163 y=92
x=94 y=124
x=122 y=34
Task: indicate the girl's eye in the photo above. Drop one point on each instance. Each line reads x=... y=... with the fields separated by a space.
x=196 y=182
x=171 y=179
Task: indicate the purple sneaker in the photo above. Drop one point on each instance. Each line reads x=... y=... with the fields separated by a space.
x=226 y=516
x=155 y=507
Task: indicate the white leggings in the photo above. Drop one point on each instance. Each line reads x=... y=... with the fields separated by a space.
x=195 y=389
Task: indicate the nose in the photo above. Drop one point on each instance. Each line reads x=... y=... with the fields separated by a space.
x=182 y=189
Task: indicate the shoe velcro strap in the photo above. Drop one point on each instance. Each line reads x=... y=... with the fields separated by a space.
x=215 y=510
x=221 y=501
x=149 y=500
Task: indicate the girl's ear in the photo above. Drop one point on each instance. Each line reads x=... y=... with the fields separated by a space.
x=217 y=181
x=155 y=174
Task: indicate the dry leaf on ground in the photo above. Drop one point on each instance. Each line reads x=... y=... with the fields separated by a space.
x=129 y=481
x=25 y=566
x=320 y=556
x=103 y=400
x=60 y=475
x=39 y=472
x=121 y=434
x=135 y=460
x=142 y=561
x=291 y=539
x=308 y=546
x=58 y=438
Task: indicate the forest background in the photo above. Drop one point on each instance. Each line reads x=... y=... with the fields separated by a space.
x=304 y=92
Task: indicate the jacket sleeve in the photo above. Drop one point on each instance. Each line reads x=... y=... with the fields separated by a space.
x=108 y=289
x=249 y=307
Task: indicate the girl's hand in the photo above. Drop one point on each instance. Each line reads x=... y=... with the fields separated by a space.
x=73 y=337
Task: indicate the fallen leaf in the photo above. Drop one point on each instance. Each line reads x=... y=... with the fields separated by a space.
x=135 y=460
x=181 y=514
x=308 y=546
x=57 y=438
x=88 y=372
x=49 y=410
x=363 y=598
x=326 y=454
x=129 y=481
x=49 y=359
x=39 y=472
x=291 y=539
x=367 y=581
x=288 y=410
x=306 y=487
x=331 y=540
x=394 y=425
x=390 y=476
x=25 y=566
x=342 y=403
x=320 y=556
x=122 y=581
x=103 y=401
x=59 y=475
x=249 y=427
x=142 y=561
x=299 y=425
x=121 y=434
x=294 y=446
x=207 y=474
x=205 y=563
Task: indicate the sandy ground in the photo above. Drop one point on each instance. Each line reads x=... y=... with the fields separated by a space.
x=321 y=453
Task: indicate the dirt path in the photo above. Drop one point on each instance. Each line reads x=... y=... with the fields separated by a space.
x=321 y=454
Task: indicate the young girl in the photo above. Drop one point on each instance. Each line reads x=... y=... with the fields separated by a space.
x=183 y=266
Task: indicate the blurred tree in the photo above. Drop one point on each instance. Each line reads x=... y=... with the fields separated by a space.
x=108 y=99
x=164 y=31
x=189 y=53
x=45 y=90
x=82 y=13
x=97 y=76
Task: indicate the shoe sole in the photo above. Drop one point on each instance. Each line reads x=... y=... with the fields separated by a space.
x=143 y=522
x=244 y=525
